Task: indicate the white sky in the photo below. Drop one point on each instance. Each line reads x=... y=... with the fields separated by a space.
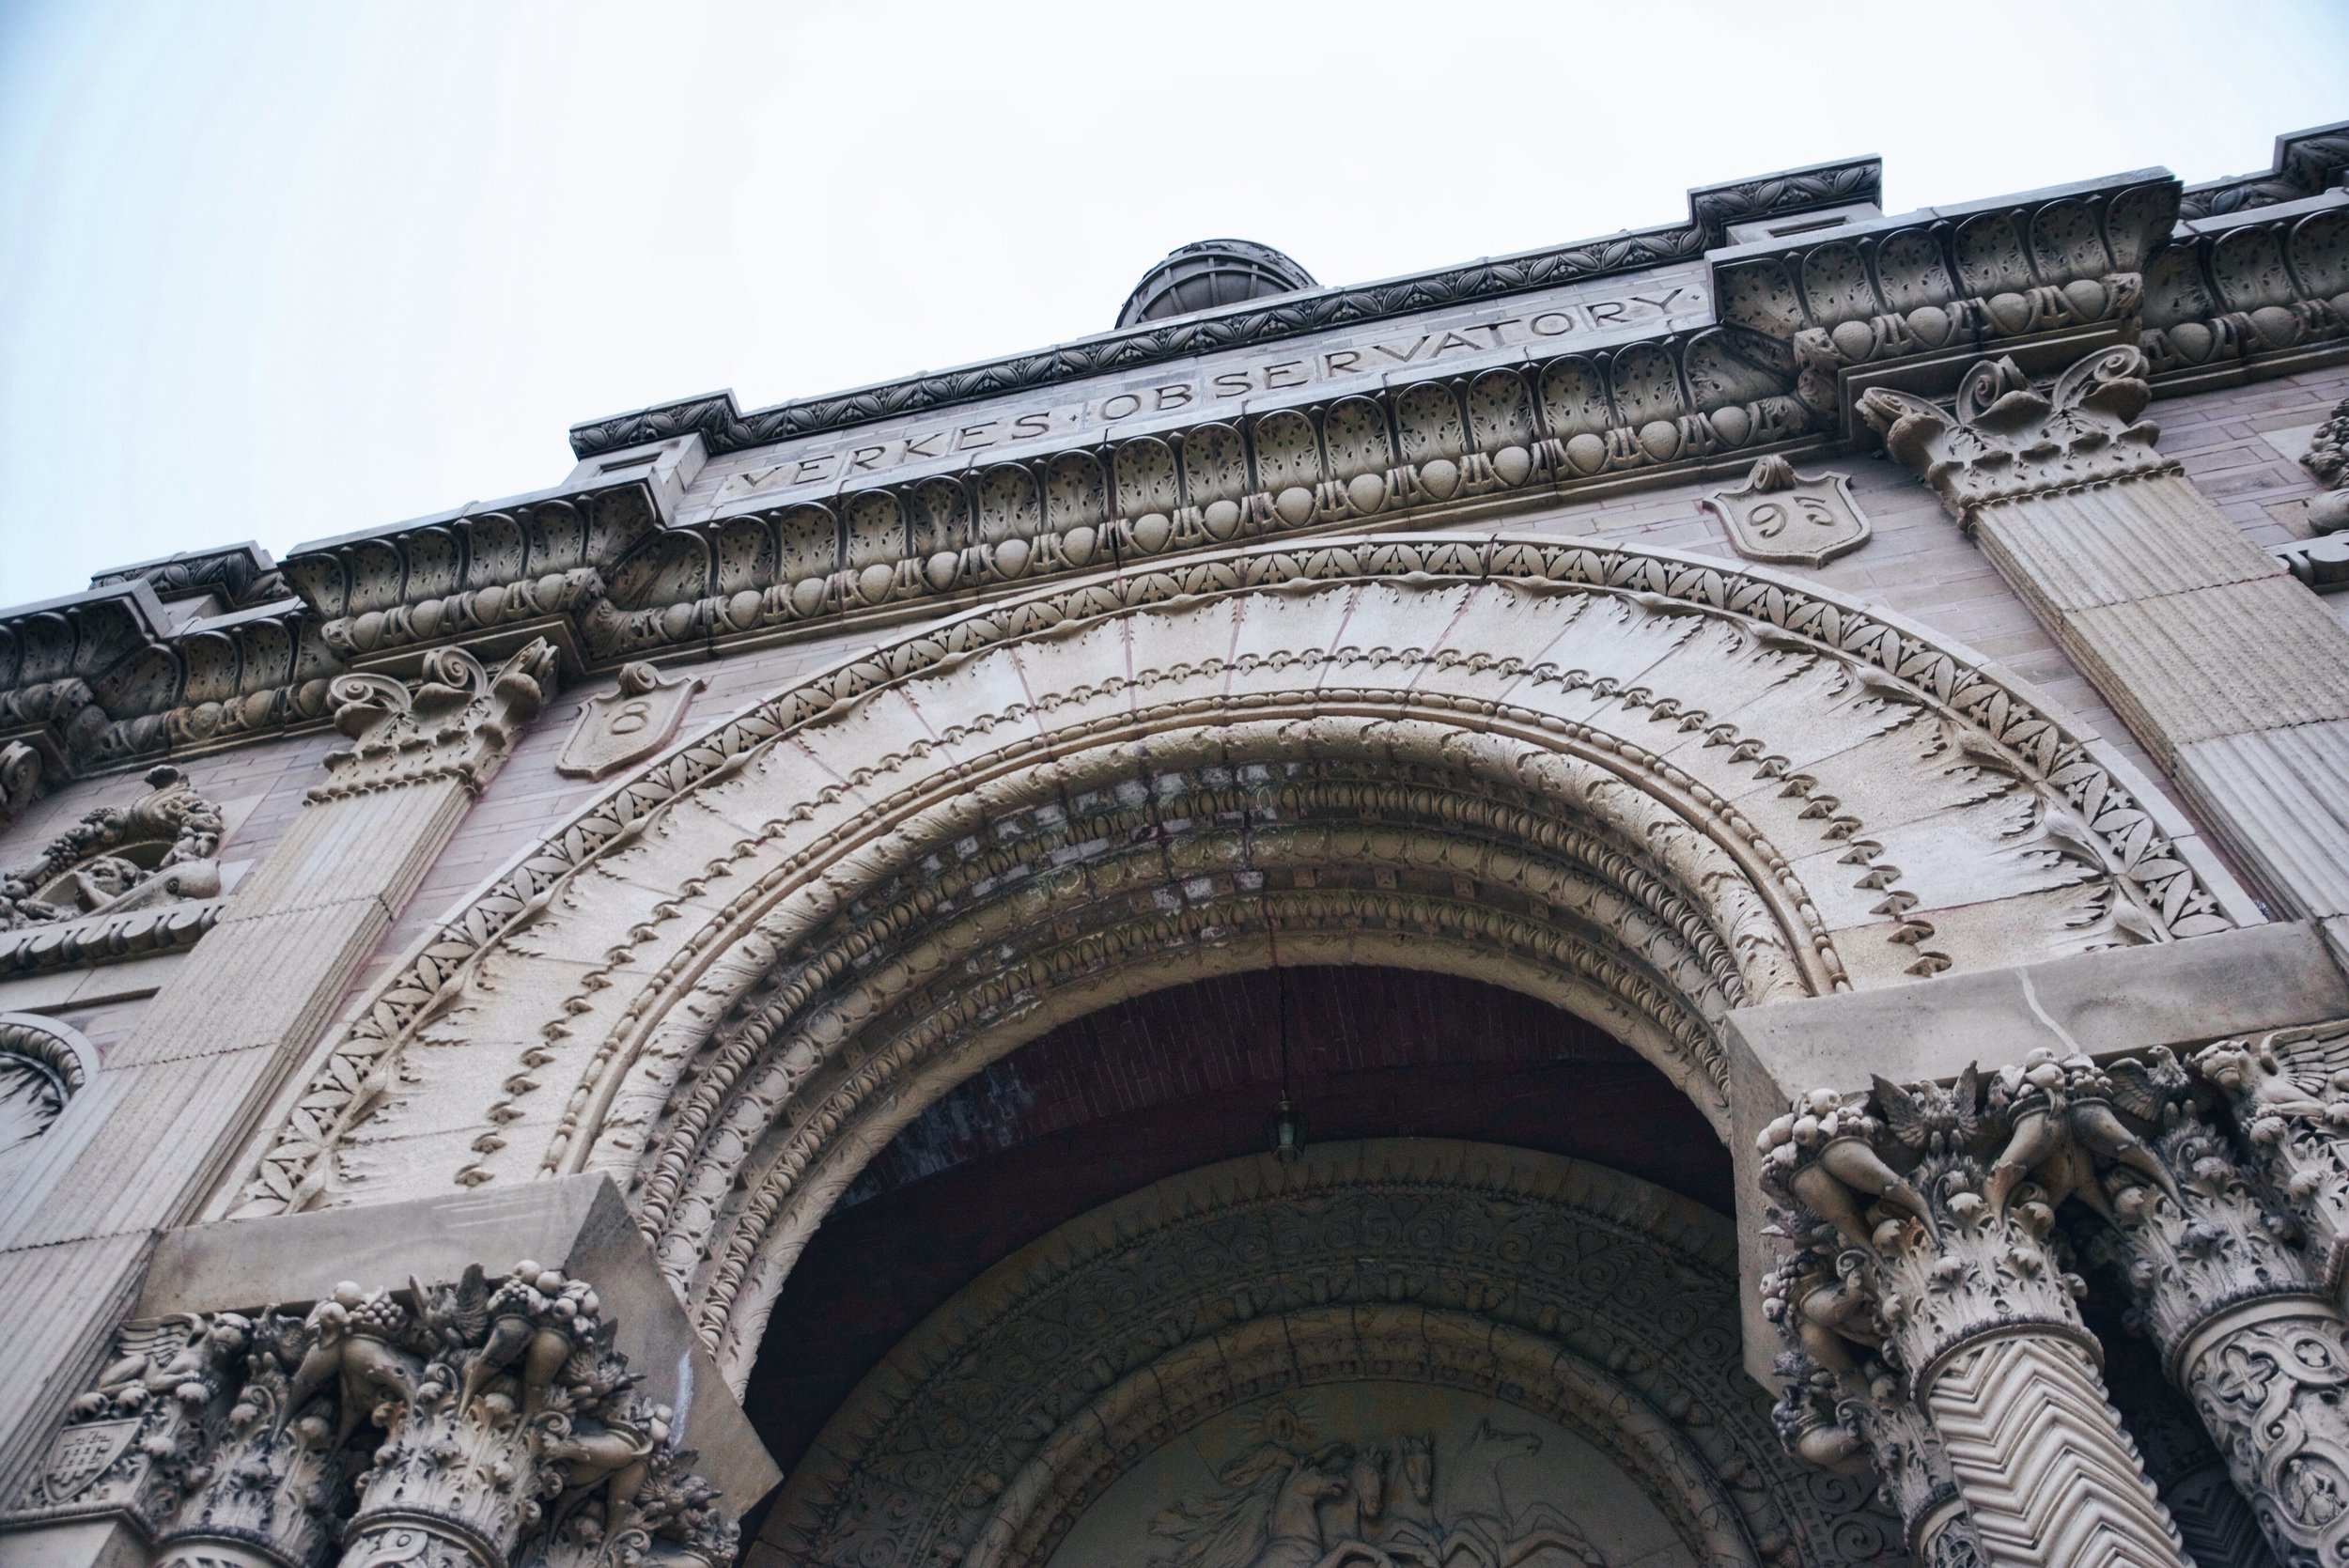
x=280 y=271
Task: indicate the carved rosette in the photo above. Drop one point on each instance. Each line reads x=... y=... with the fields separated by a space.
x=457 y=722
x=2006 y=440
x=475 y=1425
x=1938 y=1206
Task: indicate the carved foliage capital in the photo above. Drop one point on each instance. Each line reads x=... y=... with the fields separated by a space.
x=457 y=722
x=1931 y=1203
x=2005 y=439
x=487 y=1423
x=162 y=847
x=2288 y=1091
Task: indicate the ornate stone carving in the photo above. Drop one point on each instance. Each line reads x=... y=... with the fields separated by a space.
x=1540 y=1289
x=808 y=1008
x=2289 y=1094
x=42 y=1065
x=238 y=577
x=2306 y=164
x=457 y=722
x=2259 y=287
x=1937 y=1204
x=1829 y=1420
x=2329 y=448
x=1804 y=520
x=2007 y=439
x=136 y=1441
x=162 y=847
x=1509 y=429
x=19 y=781
x=1929 y=285
x=727 y=428
x=2232 y=1309
x=2329 y=459
x=484 y=1424
x=628 y=724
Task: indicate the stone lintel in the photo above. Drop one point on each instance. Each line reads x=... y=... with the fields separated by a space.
x=576 y=1224
x=2105 y=1003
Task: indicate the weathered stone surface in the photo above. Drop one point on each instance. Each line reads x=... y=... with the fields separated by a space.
x=1346 y=626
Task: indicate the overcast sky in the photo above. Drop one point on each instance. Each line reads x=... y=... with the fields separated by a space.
x=280 y=271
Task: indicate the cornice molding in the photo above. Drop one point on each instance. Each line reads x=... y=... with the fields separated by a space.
x=723 y=426
x=2306 y=162
x=599 y=567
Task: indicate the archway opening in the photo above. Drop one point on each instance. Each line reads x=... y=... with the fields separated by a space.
x=1144 y=1089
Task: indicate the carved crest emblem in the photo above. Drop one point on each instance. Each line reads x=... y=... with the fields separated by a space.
x=627 y=723
x=83 y=1454
x=1802 y=519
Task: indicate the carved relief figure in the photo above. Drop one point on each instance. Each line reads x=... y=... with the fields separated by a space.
x=162 y=845
x=1291 y=1500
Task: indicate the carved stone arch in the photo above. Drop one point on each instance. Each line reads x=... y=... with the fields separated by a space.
x=1645 y=785
x=1537 y=1286
x=44 y=1064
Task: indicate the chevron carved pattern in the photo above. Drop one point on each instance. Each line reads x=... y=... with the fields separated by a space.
x=2049 y=1477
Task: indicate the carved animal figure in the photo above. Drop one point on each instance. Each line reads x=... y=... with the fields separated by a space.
x=1267 y=1516
x=352 y=1352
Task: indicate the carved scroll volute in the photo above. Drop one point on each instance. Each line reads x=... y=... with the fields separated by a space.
x=457 y=722
x=2007 y=439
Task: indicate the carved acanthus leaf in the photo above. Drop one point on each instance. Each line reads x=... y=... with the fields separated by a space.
x=458 y=721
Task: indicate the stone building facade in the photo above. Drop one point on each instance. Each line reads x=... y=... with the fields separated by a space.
x=1676 y=900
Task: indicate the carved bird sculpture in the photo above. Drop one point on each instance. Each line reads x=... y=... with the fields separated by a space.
x=350 y=1351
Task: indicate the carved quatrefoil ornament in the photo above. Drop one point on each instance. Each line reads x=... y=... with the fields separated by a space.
x=1789 y=518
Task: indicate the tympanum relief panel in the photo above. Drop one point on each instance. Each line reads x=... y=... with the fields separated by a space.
x=1375 y=1475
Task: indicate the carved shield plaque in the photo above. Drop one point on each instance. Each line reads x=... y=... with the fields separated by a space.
x=1801 y=519
x=81 y=1456
x=628 y=724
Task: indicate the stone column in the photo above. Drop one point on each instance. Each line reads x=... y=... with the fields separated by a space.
x=1938 y=1210
x=2240 y=1324
x=1831 y=1421
x=217 y=1042
x=2227 y=669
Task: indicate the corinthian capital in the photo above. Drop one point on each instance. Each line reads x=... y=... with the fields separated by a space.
x=485 y=1424
x=457 y=723
x=2005 y=439
x=2289 y=1094
x=1938 y=1202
